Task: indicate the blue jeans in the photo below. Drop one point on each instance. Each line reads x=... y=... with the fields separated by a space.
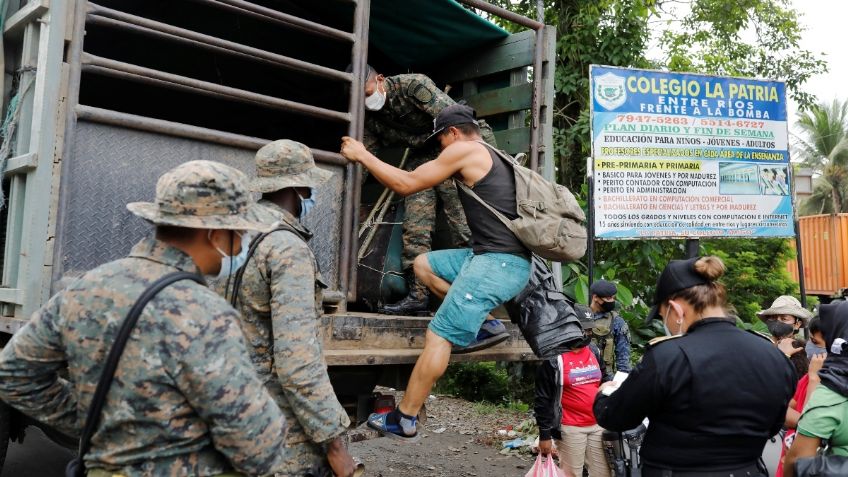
x=479 y=284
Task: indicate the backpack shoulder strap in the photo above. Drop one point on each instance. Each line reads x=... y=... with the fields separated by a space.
x=476 y=197
x=254 y=244
x=99 y=399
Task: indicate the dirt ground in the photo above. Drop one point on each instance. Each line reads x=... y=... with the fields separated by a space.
x=460 y=439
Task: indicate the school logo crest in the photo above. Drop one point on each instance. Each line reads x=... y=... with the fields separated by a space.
x=609 y=91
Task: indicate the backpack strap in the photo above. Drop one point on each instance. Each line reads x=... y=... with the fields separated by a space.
x=511 y=162
x=99 y=399
x=254 y=244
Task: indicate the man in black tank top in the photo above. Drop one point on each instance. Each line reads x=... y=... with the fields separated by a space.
x=472 y=282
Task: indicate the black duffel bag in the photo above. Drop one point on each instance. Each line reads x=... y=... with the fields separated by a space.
x=545 y=315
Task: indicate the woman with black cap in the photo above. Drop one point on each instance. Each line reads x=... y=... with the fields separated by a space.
x=826 y=413
x=713 y=394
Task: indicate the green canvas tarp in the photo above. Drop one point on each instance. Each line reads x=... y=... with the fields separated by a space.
x=422 y=32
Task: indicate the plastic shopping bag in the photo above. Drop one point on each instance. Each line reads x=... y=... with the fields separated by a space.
x=545 y=467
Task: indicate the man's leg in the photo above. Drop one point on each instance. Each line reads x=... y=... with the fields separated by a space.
x=430 y=366
x=596 y=458
x=572 y=455
x=418 y=224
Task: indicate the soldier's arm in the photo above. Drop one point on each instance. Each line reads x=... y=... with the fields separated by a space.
x=29 y=372
x=622 y=346
x=297 y=347
x=426 y=96
x=213 y=370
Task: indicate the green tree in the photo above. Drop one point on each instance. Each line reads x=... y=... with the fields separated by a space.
x=750 y=38
x=823 y=147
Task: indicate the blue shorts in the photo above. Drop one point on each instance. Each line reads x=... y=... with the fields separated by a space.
x=479 y=284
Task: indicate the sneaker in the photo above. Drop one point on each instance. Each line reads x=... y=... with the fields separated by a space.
x=491 y=333
x=405 y=431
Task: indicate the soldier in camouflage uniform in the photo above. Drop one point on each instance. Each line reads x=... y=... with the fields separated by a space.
x=404 y=118
x=186 y=400
x=280 y=304
x=607 y=329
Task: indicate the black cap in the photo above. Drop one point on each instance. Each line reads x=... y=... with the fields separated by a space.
x=603 y=288
x=451 y=116
x=678 y=275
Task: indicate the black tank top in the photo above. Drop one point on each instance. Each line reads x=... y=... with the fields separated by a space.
x=496 y=188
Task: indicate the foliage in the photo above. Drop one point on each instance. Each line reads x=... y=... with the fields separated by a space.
x=823 y=147
x=489 y=381
x=749 y=38
x=757 y=270
x=604 y=32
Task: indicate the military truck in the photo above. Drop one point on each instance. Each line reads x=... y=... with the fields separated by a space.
x=104 y=96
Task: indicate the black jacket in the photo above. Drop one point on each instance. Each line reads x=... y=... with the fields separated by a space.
x=548 y=402
x=713 y=397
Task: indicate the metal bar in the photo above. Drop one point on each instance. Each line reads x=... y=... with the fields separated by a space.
x=536 y=108
x=72 y=100
x=802 y=282
x=112 y=18
x=590 y=222
x=29 y=12
x=280 y=18
x=20 y=165
x=141 y=123
x=348 y=257
x=504 y=13
x=693 y=247
x=118 y=69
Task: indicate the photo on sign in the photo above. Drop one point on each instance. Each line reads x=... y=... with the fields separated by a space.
x=738 y=179
x=773 y=180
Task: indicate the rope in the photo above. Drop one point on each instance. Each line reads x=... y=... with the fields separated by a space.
x=383 y=208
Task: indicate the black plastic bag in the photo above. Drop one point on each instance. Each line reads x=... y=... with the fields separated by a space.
x=544 y=314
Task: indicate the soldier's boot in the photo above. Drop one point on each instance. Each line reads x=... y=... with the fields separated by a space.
x=417 y=302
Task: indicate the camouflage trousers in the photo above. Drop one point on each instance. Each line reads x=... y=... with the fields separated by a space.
x=305 y=459
x=419 y=221
x=106 y=473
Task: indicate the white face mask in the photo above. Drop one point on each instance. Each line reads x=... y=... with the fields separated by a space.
x=306 y=205
x=376 y=100
x=231 y=264
x=665 y=326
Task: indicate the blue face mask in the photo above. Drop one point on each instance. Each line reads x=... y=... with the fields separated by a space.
x=231 y=264
x=306 y=205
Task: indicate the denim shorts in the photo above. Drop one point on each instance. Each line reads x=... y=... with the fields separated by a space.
x=479 y=284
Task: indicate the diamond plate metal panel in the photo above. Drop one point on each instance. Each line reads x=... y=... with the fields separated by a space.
x=111 y=166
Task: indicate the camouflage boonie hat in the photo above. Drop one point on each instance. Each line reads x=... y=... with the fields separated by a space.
x=284 y=164
x=202 y=195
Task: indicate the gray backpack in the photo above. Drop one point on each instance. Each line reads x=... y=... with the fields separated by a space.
x=550 y=221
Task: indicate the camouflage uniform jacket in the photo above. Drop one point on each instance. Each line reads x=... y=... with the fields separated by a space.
x=406 y=120
x=185 y=400
x=280 y=305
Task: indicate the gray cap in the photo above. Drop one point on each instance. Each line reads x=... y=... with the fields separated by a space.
x=603 y=288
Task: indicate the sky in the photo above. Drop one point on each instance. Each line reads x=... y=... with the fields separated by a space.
x=824 y=19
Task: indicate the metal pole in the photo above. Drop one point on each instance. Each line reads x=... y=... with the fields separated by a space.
x=693 y=247
x=118 y=69
x=504 y=13
x=115 y=19
x=590 y=217
x=170 y=128
x=348 y=257
x=802 y=282
x=280 y=18
x=536 y=106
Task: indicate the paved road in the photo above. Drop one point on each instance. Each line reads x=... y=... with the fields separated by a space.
x=36 y=457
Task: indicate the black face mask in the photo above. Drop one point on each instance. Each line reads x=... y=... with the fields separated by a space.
x=779 y=329
x=607 y=306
